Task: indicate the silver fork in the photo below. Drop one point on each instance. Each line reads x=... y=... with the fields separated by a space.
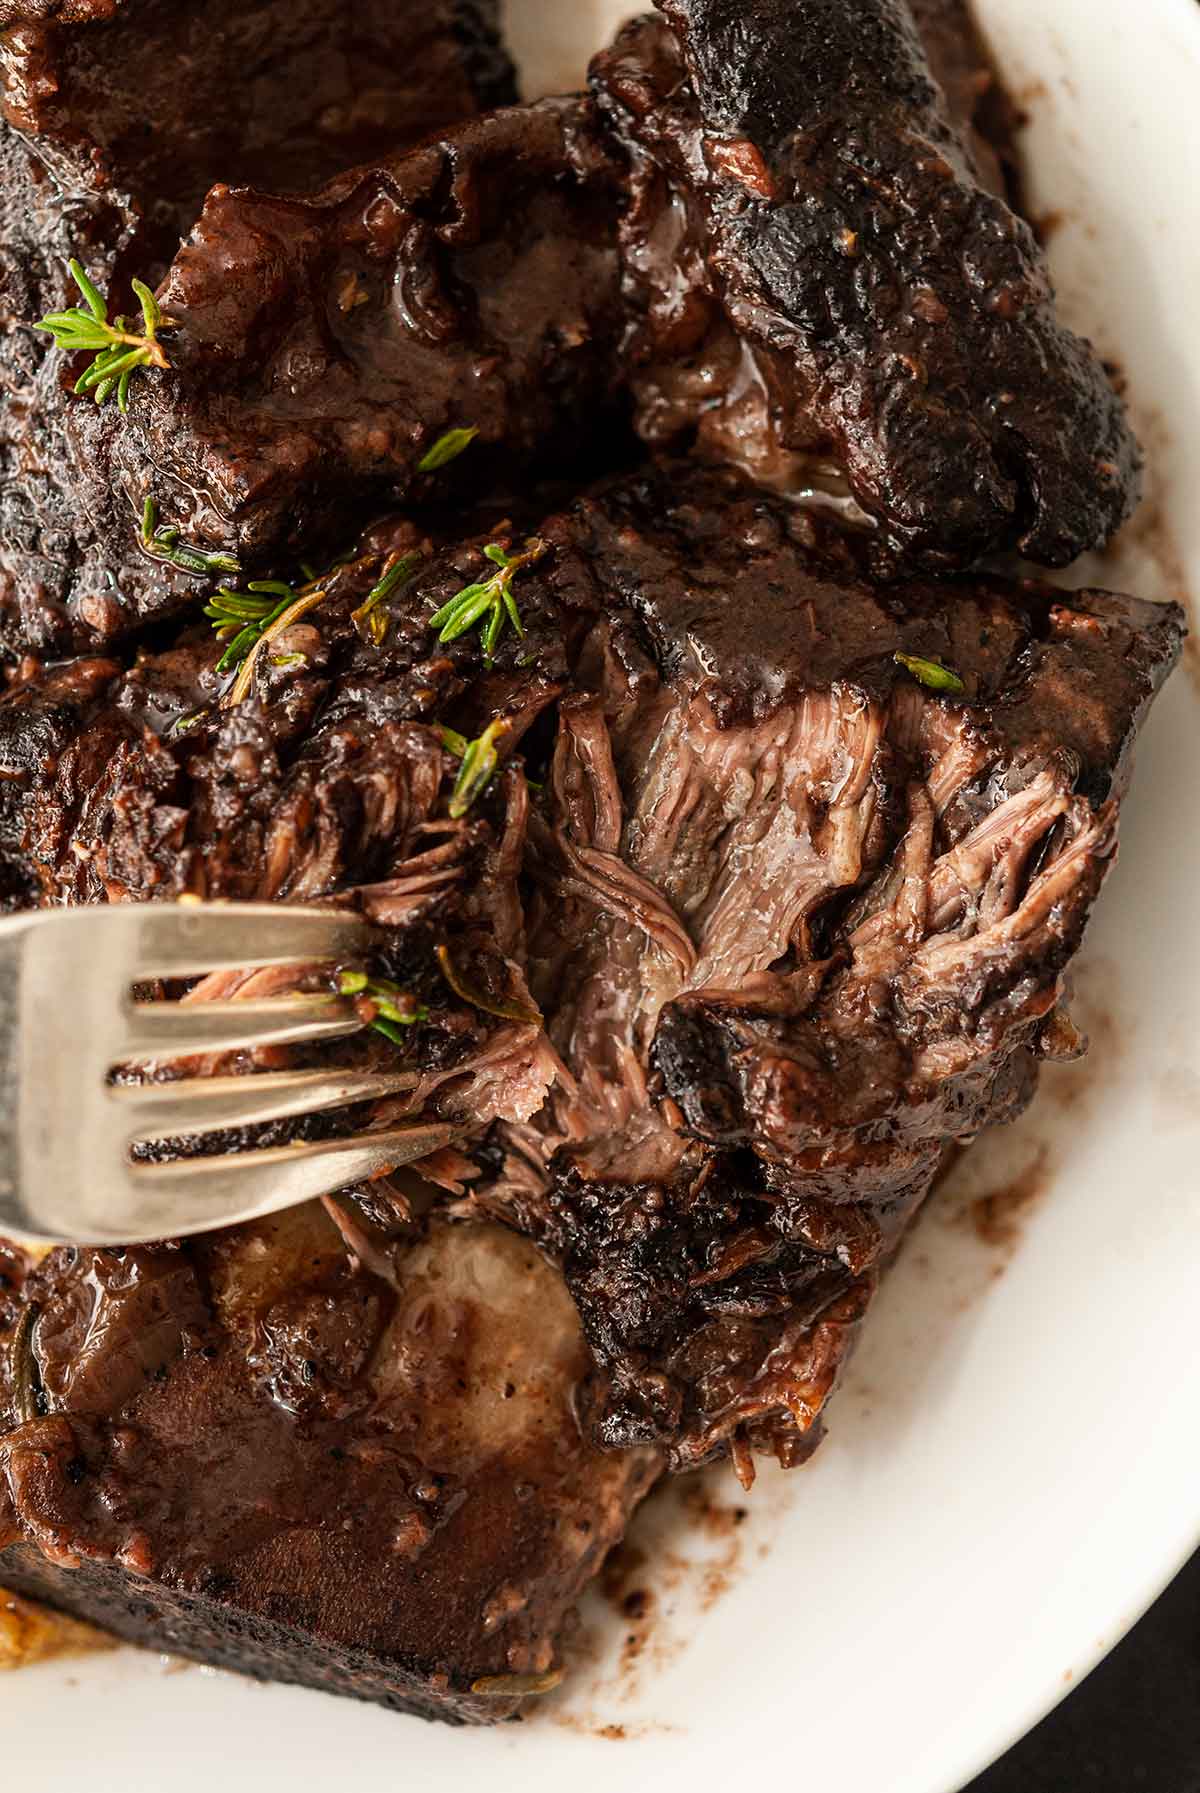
x=67 y=1016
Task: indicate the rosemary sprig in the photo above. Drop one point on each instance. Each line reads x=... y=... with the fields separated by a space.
x=479 y=762
x=447 y=448
x=119 y=350
x=489 y=601
x=931 y=673
x=243 y=617
x=163 y=543
x=368 y=619
x=392 y=1009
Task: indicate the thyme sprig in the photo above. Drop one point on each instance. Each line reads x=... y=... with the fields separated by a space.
x=382 y=1004
x=489 y=601
x=250 y=620
x=163 y=543
x=447 y=448
x=931 y=673
x=120 y=351
x=479 y=762
x=369 y=619
x=243 y=617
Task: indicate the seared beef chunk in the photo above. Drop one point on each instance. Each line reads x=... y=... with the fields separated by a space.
x=795 y=923
x=819 y=301
x=129 y=784
x=820 y=271
x=325 y=345
x=979 y=108
x=150 y=101
x=120 y=118
x=798 y=924
x=254 y=1449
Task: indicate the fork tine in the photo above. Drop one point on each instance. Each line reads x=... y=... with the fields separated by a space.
x=184 y=940
x=175 y=1029
x=196 y=1193
x=212 y=1104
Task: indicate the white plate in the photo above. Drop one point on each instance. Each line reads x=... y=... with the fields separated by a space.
x=1012 y=1469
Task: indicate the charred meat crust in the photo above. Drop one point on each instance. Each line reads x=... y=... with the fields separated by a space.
x=795 y=924
x=106 y=157
x=279 y=99
x=798 y=925
x=818 y=270
x=326 y=344
x=748 y=931
x=876 y=316
x=254 y=1450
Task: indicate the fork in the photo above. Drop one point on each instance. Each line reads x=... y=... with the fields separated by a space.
x=68 y=1016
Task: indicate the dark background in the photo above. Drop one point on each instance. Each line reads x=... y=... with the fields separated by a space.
x=1134 y=1723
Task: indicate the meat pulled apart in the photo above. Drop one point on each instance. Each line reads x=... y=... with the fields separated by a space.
x=778 y=929
x=106 y=154
x=823 y=280
x=798 y=925
x=255 y=1449
x=726 y=835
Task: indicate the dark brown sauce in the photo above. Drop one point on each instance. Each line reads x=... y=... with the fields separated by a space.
x=999 y=1216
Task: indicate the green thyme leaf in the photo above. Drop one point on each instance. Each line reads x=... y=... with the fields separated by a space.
x=163 y=543
x=241 y=618
x=183 y=724
x=369 y=619
x=479 y=762
x=118 y=351
x=489 y=601
x=447 y=448
x=391 y=1008
x=931 y=673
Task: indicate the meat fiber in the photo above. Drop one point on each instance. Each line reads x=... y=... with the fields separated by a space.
x=781 y=925
x=107 y=154
x=825 y=282
x=137 y=782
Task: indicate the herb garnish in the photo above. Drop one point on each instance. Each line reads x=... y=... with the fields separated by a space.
x=447 y=448
x=489 y=598
x=271 y=626
x=250 y=619
x=164 y=544
x=368 y=619
x=391 y=1008
x=25 y=1379
x=479 y=761
x=491 y=1005
x=517 y=1686
x=931 y=673
x=119 y=350
x=243 y=617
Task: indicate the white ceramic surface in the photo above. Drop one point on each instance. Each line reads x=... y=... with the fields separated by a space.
x=1012 y=1471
